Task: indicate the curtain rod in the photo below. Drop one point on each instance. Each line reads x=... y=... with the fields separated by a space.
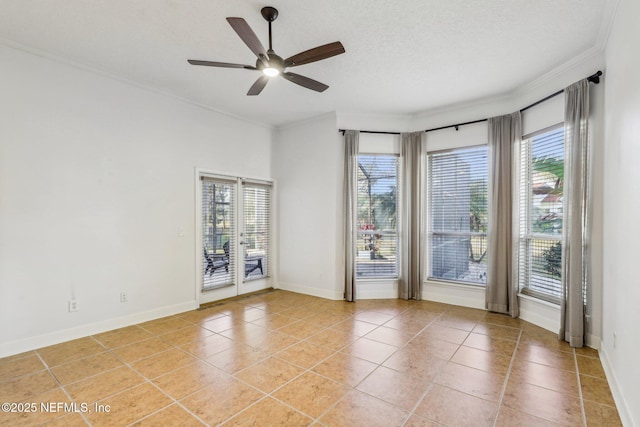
x=594 y=78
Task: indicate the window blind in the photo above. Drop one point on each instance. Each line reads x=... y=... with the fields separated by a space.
x=457 y=209
x=218 y=233
x=377 y=237
x=541 y=214
x=257 y=225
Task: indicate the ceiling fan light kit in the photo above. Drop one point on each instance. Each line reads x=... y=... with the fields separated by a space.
x=268 y=62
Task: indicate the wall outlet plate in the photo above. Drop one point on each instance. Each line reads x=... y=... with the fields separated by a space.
x=73 y=305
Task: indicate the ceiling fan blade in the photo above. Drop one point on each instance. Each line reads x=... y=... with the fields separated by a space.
x=247 y=35
x=219 y=64
x=315 y=54
x=257 y=87
x=305 y=82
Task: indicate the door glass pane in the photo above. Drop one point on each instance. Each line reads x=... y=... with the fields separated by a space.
x=218 y=233
x=256 y=233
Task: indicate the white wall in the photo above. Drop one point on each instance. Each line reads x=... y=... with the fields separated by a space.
x=307 y=163
x=621 y=252
x=96 y=185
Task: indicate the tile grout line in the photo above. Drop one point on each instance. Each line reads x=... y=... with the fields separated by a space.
x=273 y=355
x=430 y=386
x=144 y=377
x=310 y=369
x=266 y=396
x=149 y=381
x=506 y=379
x=62 y=387
x=582 y=409
x=66 y=393
x=418 y=402
x=305 y=371
x=433 y=321
x=409 y=412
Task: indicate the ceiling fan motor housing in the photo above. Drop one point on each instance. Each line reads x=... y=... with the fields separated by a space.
x=274 y=61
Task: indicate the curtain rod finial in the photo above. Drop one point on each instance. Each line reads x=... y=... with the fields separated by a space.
x=595 y=78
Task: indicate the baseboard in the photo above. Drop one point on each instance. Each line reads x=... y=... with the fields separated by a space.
x=377 y=289
x=363 y=294
x=453 y=293
x=593 y=341
x=540 y=313
x=371 y=290
x=621 y=403
x=307 y=290
x=57 y=337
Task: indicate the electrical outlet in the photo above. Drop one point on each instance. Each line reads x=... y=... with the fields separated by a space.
x=73 y=305
x=124 y=297
x=614 y=340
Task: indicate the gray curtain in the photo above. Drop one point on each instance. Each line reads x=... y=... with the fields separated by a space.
x=505 y=133
x=410 y=277
x=351 y=142
x=575 y=236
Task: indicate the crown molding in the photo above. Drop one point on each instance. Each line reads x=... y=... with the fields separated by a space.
x=610 y=12
x=474 y=103
x=590 y=56
x=303 y=122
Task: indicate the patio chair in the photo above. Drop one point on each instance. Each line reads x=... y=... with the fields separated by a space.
x=215 y=262
x=252 y=263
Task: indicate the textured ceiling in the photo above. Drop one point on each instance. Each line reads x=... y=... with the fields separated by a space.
x=402 y=56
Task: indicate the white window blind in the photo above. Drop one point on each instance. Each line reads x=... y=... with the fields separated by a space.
x=218 y=233
x=377 y=238
x=541 y=214
x=256 y=234
x=457 y=215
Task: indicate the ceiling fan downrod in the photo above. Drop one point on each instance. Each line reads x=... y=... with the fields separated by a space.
x=269 y=14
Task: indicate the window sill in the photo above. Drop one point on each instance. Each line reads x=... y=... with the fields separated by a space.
x=376 y=279
x=445 y=282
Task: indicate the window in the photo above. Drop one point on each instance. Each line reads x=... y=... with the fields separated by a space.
x=457 y=215
x=255 y=237
x=218 y=233
x=377 y=239
x=540 y=201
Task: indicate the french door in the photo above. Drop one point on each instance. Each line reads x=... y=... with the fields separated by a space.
x=234 y=236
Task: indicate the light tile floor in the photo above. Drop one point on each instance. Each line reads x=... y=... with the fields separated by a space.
x=280 y=358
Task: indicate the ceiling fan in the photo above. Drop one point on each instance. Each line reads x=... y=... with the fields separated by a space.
x=271 y=64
